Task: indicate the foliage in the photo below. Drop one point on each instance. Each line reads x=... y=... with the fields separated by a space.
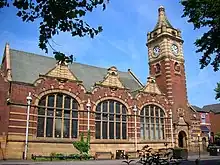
x=83 y=146
x=205 y=13
x=57 y=16
x=217 y=135
x=217 y=90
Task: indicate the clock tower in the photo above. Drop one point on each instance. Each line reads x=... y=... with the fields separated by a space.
x=166 y=63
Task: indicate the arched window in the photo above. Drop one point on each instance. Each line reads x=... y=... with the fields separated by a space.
x=152 y=122
x=111 y=120
x=57 y=116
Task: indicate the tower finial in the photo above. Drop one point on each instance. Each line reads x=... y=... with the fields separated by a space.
x=162 y=19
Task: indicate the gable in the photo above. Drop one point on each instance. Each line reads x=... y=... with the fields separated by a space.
x=61 y=71
x=112 y=79
x=151 y=87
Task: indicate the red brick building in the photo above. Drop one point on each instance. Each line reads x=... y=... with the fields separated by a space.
x=60 y=94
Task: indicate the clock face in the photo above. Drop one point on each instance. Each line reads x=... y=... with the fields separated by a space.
x=156 y=51
x=175 y=49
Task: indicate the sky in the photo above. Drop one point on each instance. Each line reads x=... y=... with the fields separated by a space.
x=122 y=42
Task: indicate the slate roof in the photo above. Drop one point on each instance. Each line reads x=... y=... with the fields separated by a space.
x=207 y=108
x=212 y=107
x=26 y=68
x=198 y=109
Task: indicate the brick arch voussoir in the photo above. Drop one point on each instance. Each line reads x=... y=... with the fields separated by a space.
x=153 y=103
x=112 y=98
x=63 y=91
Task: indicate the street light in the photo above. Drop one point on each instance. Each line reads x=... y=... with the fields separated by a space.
x=29 y=99
x=88 y=106
x=199 y=145
x=135 y=125
x=171 y=126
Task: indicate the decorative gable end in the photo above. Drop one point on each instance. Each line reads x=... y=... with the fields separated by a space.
x=151 y=86
x=111 y=79
x=61 y=71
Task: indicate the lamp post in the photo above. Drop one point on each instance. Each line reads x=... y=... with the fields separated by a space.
x=199 y=145
x=29 y=99
x=88 y=106
x=171 y=126
x=135 y=125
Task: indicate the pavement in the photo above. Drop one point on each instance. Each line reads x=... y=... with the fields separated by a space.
x=204 y=160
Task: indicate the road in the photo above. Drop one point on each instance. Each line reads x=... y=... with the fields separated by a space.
x=205 y=160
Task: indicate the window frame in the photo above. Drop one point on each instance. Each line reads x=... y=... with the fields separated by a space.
x=63 y=116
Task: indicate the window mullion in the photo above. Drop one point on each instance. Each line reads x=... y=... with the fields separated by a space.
x=45 y=117
x=101 y=122
x=114 y=121
x=108 y=105
x=120 y=121
x=62 y=119
x=70 y=122
x=54 y=115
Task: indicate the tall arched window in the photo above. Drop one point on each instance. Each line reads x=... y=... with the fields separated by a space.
x=111 y=120
x=57 y=116
x=152 y=122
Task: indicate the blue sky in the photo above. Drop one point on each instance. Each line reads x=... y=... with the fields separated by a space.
x=122 y=43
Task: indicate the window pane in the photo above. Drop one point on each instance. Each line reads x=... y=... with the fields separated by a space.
x=142 y=113
x=117 y=117
x=50 y=112
x=111 y=130
x=41 y=111
x=58 y=127
x=97 y=129
x=157 y=112
x=147 y=111
x=161 y=113
x=152 y=133
x=40 y=127
x=118 y=131
x=51 y=101
x=124 y=118
x=67 y=113
x=74 y=114
x=49 y=127
x=124 y=130
x=59 y=101
x=105 y=106
x=157 y=134
x=104 y=116
x=59 y=113
x=124 y=110
x=142 y=119
x=152 y=111
x=117 y=107
x=147 y=131
x=98 y=116
x=66 y=128
x=42 y=102
x=111 y=117
x=111 y=106
x=74 y=105
x=67 y=102
x=104 y=130
x=74 y=128
x=98 y=108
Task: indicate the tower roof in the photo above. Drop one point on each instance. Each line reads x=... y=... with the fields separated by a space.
x=162 y=19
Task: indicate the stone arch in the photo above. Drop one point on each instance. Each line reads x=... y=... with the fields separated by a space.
x=153 y=103
x=182 y=139
x=112 y=98
x=39 y=96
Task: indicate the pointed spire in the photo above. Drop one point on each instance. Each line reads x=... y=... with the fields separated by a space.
x=162 y=19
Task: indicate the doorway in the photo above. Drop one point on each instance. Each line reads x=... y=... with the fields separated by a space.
x=204 y=144
x=182 y=140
